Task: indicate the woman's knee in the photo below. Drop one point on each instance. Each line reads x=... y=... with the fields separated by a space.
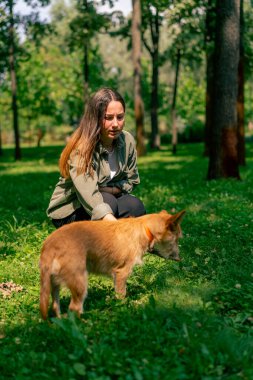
x=111 y=201
x=138 y=207
x=128 y=205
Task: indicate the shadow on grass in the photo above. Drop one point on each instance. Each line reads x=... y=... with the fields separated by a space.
x=49 y=153
x=24 y=199
x=128 y=340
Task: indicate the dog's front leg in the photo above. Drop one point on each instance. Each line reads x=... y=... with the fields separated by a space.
x=120 y=279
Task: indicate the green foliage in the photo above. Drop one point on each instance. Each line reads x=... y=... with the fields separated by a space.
x=34 y=84
x=248 y=38
x=189 y=320
x=50 y=81
x=50 y=78
x=30 y=25
x=86 y=24
x=248 y=104
x=191 y=102
x=186 y=21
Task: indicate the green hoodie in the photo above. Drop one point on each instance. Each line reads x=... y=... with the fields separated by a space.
x=83 y=189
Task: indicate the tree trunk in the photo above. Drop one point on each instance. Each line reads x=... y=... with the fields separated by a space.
x=240 y=98
x=155 y=136
x=138 y=102
x=40 y=135
x=209 y=42
x=173 y=109
x=223 y=161
x=14 y=83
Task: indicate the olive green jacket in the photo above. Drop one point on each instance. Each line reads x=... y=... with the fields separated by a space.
x=83 y=190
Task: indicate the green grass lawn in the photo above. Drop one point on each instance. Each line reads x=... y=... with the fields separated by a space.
x=187 y=320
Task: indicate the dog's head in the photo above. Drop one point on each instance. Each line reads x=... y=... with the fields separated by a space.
x=165 y=229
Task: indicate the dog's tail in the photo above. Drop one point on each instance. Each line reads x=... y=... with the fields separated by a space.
x=45 y=287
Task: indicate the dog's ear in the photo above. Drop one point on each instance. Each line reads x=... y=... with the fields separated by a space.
x=175 y=220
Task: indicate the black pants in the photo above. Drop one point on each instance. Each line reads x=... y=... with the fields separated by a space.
x=123 y=206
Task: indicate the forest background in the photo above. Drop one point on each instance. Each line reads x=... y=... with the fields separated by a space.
x=60 y=60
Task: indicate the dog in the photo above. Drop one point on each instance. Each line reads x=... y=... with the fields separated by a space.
x=102 y=247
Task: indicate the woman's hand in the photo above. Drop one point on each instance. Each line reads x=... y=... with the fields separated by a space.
x=109 y=217
x=114 y=190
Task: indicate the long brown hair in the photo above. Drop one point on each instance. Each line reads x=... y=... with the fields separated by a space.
x=86 y=136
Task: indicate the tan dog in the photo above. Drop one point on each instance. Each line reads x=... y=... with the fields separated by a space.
x=105 y=247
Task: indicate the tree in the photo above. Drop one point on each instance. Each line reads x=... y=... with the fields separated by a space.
x=138 y=102
x=185 y=20
x=152 y=21
x=9 y=25
x=36 y=92
x=223 y=161
x=153 y=14
x=12 y=67
x=84 y=27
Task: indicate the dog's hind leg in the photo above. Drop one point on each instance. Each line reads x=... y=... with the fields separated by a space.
x=79 y=290
x=55 y=292
x=45 y=287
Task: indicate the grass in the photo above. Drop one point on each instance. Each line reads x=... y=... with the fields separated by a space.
x=188 y=320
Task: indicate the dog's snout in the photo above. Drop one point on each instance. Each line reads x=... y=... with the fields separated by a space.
x=174 y=255
x=166 y=253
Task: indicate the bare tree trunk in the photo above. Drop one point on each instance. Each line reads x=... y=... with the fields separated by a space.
x=40 y=135
x=223 y=161
x=173 y=109
x=155 y=136
x=138 y=102
x=14 y=83
x=240 y=98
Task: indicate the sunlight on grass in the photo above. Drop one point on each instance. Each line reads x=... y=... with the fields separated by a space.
x=17 y=169
x=188 y=320
x=181 y=298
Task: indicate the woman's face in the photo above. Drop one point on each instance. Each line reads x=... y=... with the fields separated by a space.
x=113 y=122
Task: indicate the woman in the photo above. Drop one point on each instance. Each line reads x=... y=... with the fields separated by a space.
x=98 y=166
